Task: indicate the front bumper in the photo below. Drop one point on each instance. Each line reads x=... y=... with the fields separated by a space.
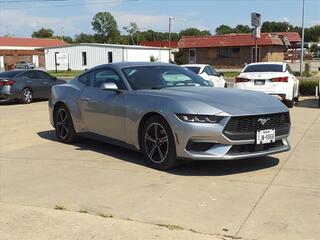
x=202 y=141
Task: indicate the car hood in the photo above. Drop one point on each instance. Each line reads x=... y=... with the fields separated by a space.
x=207 y=100
x=262 y=75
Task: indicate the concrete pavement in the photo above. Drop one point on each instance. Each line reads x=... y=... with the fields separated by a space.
x=276 y=197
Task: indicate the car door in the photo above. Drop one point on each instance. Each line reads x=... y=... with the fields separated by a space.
x=48 y=82
x=34 y=82
x=104 y=111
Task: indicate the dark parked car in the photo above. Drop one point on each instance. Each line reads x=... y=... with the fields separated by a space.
x=26 y=85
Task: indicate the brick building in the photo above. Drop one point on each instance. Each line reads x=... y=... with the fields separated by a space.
x=233 y=50
x=14 y=49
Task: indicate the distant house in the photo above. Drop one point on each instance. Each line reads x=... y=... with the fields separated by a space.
x=16 y=49
x=233 y=50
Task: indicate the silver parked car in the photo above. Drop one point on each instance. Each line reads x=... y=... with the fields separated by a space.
x=26 y=85
x=25 y=65
x=168 y=113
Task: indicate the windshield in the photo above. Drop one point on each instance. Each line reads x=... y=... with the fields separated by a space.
x=264 y=68
x=157 y=77
x=194 y=69
x=10 y=74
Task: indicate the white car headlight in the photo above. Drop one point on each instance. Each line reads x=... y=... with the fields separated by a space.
x=199 y=118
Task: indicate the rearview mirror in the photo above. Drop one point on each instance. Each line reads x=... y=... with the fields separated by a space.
x=110 y=86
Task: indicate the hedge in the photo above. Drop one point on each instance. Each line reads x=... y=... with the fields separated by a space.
x=308 y=87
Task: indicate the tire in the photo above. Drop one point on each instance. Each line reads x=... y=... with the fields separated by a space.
x=26 y=96
x=289 y=103
x=63 y=125
x=158 y=144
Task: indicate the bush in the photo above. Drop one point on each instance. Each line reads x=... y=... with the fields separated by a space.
x=308 y=87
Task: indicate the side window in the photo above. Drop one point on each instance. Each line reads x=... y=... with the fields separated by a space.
x=44 y=75
x=214 y=72
x=107 y=76
x=31 y=75
x=85 y=79
x=208 y=71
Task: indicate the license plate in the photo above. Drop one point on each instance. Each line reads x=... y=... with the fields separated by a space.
x=266 y=136
x=259 y=82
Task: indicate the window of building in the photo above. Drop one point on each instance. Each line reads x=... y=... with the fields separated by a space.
x=236 y=50
x=110 y=57
x=84 y=58
x=192 y=56
x=225 y=52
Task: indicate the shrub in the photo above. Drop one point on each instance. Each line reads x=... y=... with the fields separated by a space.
x=308 y=87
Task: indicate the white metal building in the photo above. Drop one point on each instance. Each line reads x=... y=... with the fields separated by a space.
x=87 y=55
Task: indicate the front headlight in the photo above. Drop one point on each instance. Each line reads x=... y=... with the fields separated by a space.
x=199 y=118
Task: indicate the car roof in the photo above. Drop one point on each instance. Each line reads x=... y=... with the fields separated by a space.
x=267 y=63
x=120 y=65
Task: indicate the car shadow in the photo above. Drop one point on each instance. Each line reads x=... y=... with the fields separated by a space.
x=308 y=103
x=187 y=168
x=17 y=102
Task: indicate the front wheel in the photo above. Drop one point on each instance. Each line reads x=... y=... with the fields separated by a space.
x=158 y=144
x=64 y=125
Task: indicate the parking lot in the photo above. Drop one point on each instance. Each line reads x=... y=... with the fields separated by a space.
x=276 y=197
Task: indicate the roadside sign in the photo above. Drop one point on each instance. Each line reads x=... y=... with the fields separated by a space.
x=257 y=32
x=255 y=19
x=62 y=58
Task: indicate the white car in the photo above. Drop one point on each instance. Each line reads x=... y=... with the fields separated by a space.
x=273 y=78
x=208 y=73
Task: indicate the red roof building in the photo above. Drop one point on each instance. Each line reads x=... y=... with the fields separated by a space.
x=234 y=50
x=16 y=49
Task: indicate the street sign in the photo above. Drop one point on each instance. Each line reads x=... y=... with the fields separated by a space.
x=62 y=58
x=257 y=32
x=255 y=19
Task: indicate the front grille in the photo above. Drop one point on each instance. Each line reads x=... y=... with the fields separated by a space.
x=250 y=148
x=245 y=127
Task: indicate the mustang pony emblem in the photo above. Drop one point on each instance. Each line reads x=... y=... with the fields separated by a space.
x=263 y=121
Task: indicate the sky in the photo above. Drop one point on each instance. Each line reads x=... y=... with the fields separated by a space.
x=22 y=17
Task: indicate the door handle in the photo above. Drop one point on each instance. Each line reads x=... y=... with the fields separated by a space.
x=85 y=99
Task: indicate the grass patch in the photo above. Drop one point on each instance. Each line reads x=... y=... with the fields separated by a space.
x=171 y=227
x=230 y=74
x=59 y=207
x=308 y=87
x=104 y=215
x=73 y=73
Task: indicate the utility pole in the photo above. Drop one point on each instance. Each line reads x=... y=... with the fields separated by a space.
x=302 y=40
x=170 y=19
x=62 y=33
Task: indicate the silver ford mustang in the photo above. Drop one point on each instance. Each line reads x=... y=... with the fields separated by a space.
x=168 y=113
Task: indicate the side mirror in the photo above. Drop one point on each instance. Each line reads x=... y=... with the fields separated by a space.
x=220 y=74
x=110 y=86
x=297 y=74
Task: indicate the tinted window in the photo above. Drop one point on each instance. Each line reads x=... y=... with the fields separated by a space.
x=264 y=68
x=214 y=72
x=107 y=76
x=10 y=74
x=44 y=75
x=194 y=69
x=31 y=75
x=85 y=79
x=208 y=71
x=156 y=77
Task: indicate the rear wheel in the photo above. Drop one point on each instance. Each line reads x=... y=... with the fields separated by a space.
x=64 y=125
x=157 y=144
x=289 y=103
x=26 y=96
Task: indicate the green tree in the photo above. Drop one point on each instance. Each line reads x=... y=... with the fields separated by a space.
x=194 y=32
x=106 y=28
x=132 y=31
x=84 y=38
x=276 y=27
x=224 y=29
x=312 y=34
x=67 y=39
x=43 y=33
x=242 y=29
